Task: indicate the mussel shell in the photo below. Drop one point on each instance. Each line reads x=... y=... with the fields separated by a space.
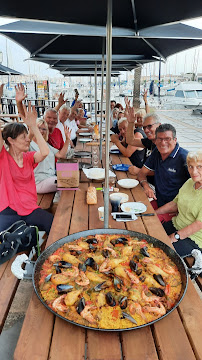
x=142 y=278
x=128 y=317
x=81 y=305
x=100 y=286
x=144 y=252
x=75 y=252
x=159 y=279
x=82 y=267
x=64 y=288
x=105 y=253
x=157 y=291
x=133 y=265
x=117 y=283
x=63 y=264
x=58 y=270
x=120 y=240
x=92 y=241
x=48 y=277
x=139 y=272
x=91 y=262
x=123 y=302
x=92 y=248
x=110 y=300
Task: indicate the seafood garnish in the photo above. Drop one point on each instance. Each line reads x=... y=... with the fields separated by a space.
x=123 y=302
x=128 y=317
x=92 y=248
x=117 y=283
x=91 y=262
x=133 y=265
x=58 y=270
x=63 y=264
x=81 y=305
x=144 y=251
x=110 y=300
x=64 y=288
x=139 y=272
x=159 y=279
x=100 y=286
x=48 y=277
x=82 y=267
x=92 y=241
x=157 y=291
x=120 y=240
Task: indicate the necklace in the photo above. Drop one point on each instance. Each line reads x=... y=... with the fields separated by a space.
x=194 y=186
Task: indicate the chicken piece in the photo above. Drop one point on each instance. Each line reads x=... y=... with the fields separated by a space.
x=72 y=297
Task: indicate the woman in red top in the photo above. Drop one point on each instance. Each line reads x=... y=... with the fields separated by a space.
x=17 y=182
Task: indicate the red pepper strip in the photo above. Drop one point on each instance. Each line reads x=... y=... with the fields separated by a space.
x=115 y=314
x=167 y=289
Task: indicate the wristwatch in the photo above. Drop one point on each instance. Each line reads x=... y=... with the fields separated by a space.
x=177 y=236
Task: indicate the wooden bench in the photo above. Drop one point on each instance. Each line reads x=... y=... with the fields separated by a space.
x=45 y=201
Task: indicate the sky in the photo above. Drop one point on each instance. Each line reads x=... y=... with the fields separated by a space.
x=14 y=56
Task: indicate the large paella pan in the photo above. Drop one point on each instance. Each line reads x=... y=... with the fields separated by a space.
x=110 y=279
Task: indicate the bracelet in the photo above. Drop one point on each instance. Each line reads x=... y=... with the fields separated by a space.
x=142 y=181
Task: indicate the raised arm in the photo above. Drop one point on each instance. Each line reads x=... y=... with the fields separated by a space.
x=142 y=177
x=61 y=154
x=61 y=102
x=19 y=97
x=1 y=139
x=130 y=138
x=147 y=108
x=30 y=120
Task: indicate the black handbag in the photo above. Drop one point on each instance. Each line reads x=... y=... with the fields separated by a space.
x=17 y=238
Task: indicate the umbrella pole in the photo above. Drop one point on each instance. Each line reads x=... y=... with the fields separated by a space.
x=90 y=96
x=159 y=85
x=96 y=92
x=108 y=88
x=102 y=90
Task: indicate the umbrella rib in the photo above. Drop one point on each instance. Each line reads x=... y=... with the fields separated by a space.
x=44 y=46
x=153 y=47
x=134 y=16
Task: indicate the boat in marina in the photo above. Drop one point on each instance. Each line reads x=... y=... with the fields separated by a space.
x=187 y=95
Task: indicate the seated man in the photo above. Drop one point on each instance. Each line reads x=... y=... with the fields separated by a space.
x=150 y=124
x=135 y=154
x=55 y=138
x=167 y=164
x=63 y=115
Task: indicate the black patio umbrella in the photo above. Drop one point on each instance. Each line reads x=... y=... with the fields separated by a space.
x=128 y=14
x=4 y=70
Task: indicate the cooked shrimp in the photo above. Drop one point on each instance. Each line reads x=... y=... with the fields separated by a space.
x=84 y=280
x=135 y=307
x=113 y=252
x=105 y=267
x=73 y=272
x=169 y=269
x=150 y=299
x=75 y=247
x=58 y=304
x=158 y=310
x=54 y=258
x=147 y=260
x=86 y=314
x=134 y=278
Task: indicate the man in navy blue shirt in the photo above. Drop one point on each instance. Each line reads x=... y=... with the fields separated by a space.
x=167 y=164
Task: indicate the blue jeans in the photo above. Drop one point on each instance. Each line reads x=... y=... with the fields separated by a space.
x=39 y=217
x=183 y=247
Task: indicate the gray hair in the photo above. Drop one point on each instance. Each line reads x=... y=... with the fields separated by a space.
x=153 y=116
x=166 y=127
x=64 y=107
x=195 y=156
x=41 y=121
x=122 y=120
x=49 y=109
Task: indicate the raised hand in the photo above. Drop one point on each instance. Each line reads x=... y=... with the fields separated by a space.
x=131 y=116
x=67 y=132
x=145 y=95
x=127 y=102
x=61 y=100
x=1 y=90
x=20 y=93
x=30 y=115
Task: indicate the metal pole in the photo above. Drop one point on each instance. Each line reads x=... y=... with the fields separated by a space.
x=102 y=90
x=96 y=92
x=108 y=95
x=90 y=96
x=159 y=84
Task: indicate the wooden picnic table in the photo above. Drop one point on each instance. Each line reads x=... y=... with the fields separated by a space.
x=44 y=336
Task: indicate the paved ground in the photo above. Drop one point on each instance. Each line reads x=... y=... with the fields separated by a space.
x=189 y=134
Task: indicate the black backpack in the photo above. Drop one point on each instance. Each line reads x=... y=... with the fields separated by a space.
x=17 y=238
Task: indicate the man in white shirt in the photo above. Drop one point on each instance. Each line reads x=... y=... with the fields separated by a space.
x=63 y=115
x=71 y=124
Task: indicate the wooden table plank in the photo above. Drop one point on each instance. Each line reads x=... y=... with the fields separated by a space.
x=103 y=346
x=138 y=344
x=79 y=220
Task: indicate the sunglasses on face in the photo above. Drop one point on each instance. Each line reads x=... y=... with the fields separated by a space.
x=148 y=126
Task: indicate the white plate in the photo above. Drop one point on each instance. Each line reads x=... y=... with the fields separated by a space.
x=85 y=140
x=114 y=147
x=97 y=173
x=133 y=207
x=85 y=134
x=128 y=183
x=123 y=196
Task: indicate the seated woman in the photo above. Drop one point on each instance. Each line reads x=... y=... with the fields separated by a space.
x=136 y=155
x=185 y=229
x=44 y=173
x=17 y=185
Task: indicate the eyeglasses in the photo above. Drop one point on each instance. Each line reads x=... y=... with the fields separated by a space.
x=148 y=126
x=167 y=139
